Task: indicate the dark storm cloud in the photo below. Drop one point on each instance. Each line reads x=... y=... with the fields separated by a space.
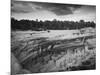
x=58 y=9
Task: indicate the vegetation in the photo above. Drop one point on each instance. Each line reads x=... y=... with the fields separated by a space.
x=47 y=25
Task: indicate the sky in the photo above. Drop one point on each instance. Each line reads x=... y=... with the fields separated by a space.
x=50 y=11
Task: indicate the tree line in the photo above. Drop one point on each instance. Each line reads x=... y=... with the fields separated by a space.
x=49 y=25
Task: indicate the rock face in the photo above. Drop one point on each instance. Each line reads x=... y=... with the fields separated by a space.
x=42 y=55
x=16 y=68
x=65 y=59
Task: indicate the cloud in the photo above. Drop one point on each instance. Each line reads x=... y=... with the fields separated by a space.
x=20 y=7
x=86 y=10
x=56 y=8
x=59 y=11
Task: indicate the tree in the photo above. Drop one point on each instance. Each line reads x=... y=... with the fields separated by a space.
x=44 y=25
